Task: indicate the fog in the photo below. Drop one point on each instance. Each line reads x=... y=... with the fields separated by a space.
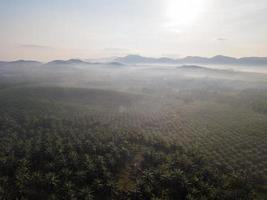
x=137 y=78
x=151 y=86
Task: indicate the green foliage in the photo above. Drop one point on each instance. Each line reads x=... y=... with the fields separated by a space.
x=55 y=149
x=63 y=159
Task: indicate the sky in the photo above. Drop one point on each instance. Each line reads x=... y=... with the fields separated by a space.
x=64 y=29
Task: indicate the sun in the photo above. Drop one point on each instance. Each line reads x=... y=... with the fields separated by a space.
x=181 y=13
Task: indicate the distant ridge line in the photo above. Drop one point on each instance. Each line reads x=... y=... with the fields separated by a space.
x=137 y=59
x=219 y=59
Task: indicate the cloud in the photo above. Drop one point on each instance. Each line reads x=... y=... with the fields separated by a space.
x=35 y=46
x=222 y=39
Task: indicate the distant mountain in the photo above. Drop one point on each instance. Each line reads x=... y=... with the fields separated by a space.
x=32 y=62
x=166 y=60
x=20 y=63
x=72 y=62
x=219 y=59
x=137 y=59
x=192 y=59
x=222 y=60
x=253 y=60
x=68 y=62
x=133 y=59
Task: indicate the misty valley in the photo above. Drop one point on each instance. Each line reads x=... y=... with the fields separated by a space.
x=79 y=130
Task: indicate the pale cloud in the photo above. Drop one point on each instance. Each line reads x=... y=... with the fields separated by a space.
x=222 y=39
x=36 y=46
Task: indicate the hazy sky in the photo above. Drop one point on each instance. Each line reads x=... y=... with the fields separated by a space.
x=62 y=29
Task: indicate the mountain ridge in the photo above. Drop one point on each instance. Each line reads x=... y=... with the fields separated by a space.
x=138 y=59
x=218 y=59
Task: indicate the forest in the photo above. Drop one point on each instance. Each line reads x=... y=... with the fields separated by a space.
x=128 y=132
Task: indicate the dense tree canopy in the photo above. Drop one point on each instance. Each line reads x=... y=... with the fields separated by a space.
x=79 y=158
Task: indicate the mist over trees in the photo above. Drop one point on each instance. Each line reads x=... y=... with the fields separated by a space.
x=83 y=130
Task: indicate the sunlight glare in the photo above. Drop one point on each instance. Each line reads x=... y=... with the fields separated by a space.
x=181 y=13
